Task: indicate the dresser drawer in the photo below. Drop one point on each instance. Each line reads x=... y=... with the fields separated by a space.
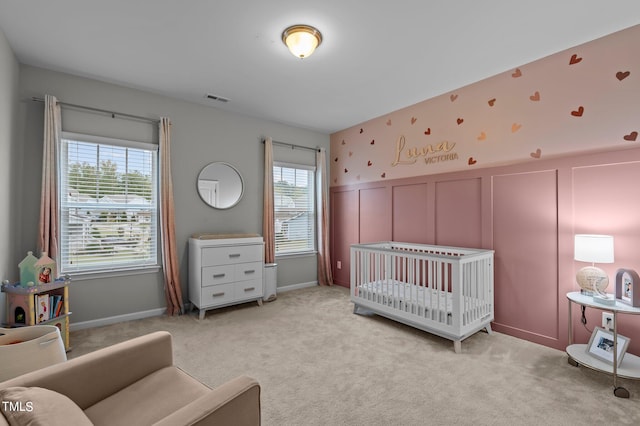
x=231 y=254
x=218 y=295
x=248 y=289
x=214 y=275
x=249 y=271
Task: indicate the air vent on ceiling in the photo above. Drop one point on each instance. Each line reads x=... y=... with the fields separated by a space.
x=216 y=98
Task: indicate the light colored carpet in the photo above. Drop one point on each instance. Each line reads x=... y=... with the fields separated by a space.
x=320 y=364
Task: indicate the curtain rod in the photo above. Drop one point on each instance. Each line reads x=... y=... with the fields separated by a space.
x=293 y=146
x=113 y=114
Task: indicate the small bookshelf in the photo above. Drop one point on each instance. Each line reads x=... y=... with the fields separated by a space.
x=42 y=304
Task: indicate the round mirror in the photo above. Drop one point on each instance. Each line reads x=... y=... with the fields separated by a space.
x=220 y=185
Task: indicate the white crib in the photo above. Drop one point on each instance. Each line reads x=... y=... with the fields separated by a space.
x=447 y=291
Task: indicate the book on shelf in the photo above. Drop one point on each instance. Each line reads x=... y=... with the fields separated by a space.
x=55 y=303
x=42 y=307
x=59 y=306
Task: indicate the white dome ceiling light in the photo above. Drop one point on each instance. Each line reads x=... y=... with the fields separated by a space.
x=301 y=40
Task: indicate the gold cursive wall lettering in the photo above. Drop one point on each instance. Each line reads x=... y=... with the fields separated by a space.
x=409 y=155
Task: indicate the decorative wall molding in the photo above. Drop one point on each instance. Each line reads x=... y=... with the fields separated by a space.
x=527 y=212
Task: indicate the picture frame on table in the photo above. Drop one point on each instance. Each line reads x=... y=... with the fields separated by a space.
x=601 y=345
x=628 y=287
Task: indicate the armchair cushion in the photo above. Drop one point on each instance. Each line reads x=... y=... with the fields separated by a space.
x=148 y=400
x=38 y=406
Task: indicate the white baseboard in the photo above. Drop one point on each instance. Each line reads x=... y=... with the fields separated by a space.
x=116 y=319
x=161 y=311
x=296 y=286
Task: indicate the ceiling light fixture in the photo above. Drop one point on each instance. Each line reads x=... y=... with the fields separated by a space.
x=301 y=40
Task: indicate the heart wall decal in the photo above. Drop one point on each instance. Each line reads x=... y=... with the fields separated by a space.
x=578 y=112
x=482 y=136
x=471 y=161
x=492 y=102
x=517 y=73
x=574 y=59
x=631 y=137
x=536 y=154
x=535 y=97
x=460 y=121
x=622 y=75
x=413 y=120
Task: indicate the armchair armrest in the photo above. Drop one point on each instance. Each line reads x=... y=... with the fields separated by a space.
x=236 y=402
x=96 y=375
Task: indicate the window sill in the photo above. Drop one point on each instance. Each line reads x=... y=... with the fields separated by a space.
x=81 y=276
x=297 y=254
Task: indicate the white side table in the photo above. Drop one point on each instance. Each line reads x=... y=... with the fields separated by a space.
x=578 y=354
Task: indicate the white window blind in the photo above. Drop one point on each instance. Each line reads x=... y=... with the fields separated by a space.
x=294 y=208
x=108 y=204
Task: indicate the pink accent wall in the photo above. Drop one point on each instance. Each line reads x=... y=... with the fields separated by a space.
x=375 y=227
x=457 y=213
x=528 y=213
x=345 y=223
x=525 y=240
x=582 y=99
x=411 y=213
x=519 y=162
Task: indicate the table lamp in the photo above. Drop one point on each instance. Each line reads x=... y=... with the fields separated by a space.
x=592 y=280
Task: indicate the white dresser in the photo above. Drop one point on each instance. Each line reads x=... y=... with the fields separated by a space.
x=225 y=270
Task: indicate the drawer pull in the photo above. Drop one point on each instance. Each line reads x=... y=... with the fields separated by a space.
x=249 y=289
x=218 y=275
x=234 y=255
x=218 y=294
x=251 y=271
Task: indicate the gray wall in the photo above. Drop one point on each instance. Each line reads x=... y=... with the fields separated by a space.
x=9 y=74
x=199 y=135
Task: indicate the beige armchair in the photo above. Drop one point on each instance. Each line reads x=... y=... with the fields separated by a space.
x=130 y=383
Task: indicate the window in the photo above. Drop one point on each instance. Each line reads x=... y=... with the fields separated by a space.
x=107 y=193
x=294 y=208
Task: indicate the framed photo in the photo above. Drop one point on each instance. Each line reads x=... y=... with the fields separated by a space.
x=628 y=287
x=601 y=345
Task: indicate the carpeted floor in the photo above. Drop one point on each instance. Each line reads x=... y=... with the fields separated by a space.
x=319 y=364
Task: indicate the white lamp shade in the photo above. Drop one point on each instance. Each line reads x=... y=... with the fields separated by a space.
x=593 y=248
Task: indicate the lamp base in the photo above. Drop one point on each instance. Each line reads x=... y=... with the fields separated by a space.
x=604 y=299
x=592 y=279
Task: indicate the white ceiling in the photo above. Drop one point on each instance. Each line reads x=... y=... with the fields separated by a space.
x=377 y=56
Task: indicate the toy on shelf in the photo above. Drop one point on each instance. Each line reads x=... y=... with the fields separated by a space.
x=34 y=271
x=46 y=268
x=28 y=270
